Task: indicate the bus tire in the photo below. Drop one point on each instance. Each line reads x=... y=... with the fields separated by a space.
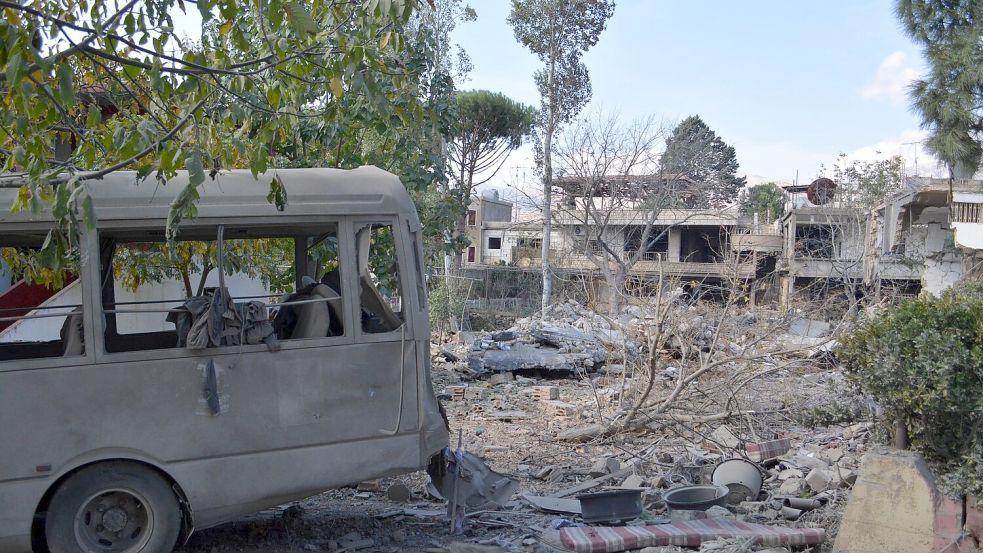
x=113 y=507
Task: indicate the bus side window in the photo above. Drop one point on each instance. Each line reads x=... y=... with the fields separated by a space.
x=380 y=293
x=316 y=310
x=40 y=313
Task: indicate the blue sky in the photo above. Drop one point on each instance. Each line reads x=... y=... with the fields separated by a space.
x=789 y=84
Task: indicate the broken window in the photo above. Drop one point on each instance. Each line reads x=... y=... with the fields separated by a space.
x=380 y=290
x=657 y=242
x=815 y=241
x=40 y=311
x=316 y=310
x=253 y=286
x=494 y=243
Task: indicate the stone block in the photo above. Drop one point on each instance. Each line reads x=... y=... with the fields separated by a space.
x=895 y=506
x=819 y=480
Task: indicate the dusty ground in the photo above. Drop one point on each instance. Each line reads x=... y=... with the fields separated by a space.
x=525 y=446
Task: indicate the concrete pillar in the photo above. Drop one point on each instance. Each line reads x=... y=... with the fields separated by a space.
x=675 y=244
x=785 y=289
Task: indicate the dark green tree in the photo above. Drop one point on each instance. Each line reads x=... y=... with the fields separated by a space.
x=950 y=96
x=558 y=32
x=489 y=127
x=695 y=154
x=767 y=200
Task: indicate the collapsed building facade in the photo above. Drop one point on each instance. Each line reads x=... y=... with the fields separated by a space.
x=925 y=237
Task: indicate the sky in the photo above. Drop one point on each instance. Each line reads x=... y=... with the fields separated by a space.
x=791 y=85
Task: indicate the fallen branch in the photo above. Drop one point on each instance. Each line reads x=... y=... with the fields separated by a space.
x=593 y=431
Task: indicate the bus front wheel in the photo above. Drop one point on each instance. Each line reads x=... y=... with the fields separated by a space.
x=113 y=507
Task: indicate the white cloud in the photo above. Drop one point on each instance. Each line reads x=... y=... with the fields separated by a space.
x=910 y=145
x=891 y=81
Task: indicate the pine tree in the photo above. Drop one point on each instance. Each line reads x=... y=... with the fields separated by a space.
x=949 y=96
x=696 y=155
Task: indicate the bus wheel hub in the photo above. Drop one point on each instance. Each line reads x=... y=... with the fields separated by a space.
x=114 y=519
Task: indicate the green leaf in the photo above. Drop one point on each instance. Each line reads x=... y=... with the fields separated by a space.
x=205 y=9
x=15 y=68
x=196 y=171
x=59 y=208
x=89 y=212
x=300 y=19
x=273 y=96
x=66 y=86
x=278 y=194
x=119 y=137
x=93 y=117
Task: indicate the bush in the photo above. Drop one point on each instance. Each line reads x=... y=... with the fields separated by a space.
x=922 y=361
x=446 y=301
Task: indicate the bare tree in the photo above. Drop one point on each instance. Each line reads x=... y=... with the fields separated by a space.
x=613 y=194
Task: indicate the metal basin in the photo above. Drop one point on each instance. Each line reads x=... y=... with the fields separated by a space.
x=611 y=506
x=742 y=477
x=695 y=498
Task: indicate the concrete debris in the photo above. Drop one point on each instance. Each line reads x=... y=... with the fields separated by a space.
x=725 y=438
x=543 y=393
x=819 y=479
x=633 y=481
x=573 y=339
x=604 y=465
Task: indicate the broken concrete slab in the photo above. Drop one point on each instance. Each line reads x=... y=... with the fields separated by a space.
x=524 y=356
x=809 y=328
x=553 y=504
x=725 y=438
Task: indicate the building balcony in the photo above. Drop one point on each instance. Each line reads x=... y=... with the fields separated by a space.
x=648 y=265
x=759 y=242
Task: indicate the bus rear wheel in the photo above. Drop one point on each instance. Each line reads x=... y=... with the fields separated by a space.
x=113 y=507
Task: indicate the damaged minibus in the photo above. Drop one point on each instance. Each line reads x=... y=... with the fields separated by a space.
x=263 y=357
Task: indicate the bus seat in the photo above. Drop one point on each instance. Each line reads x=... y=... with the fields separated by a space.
x=314 y=319
x=72 y=339
x=375 y=304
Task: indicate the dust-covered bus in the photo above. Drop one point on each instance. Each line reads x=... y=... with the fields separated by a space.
x=262 y=357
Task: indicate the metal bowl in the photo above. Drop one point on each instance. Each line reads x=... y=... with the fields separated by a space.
x=741 y=476
x=610 y=506
x=695 y=498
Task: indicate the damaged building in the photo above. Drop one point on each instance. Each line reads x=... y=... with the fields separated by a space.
x=928 y=236
x=917 y=239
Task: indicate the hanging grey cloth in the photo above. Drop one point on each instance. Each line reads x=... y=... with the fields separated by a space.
x=218 y=321
x=184 y=317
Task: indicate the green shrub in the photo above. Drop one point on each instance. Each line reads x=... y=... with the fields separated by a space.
x=445 y=301
x=922 y=361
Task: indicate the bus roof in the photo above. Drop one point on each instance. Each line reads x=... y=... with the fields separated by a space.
x=233 y=194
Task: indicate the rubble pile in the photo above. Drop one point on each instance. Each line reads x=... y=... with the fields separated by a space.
x=514 y=396
x=571 y=339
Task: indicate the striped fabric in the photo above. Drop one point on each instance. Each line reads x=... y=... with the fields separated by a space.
x=690 y=533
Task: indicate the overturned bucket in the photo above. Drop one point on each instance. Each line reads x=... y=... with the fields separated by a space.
x=741 y=477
